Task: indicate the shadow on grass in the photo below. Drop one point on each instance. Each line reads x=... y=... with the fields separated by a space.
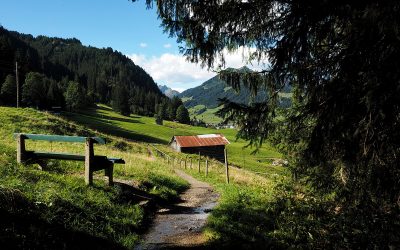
x=97 y=123
x=110 y=109
x=242 y=228
x=28 y=232
x=111 y=118
x=23 y=227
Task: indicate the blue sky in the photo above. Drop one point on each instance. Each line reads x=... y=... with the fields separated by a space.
x=120 y=24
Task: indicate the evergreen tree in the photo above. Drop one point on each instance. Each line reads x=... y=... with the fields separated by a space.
x=173 y=105
x=162 y=110
x=120 y=101
x=9 y=91
x=171 y=112
x=182 y=115
x=341 y=58
x=55 y=95
x=34 y=90
x=159 y=116
x=74 y=96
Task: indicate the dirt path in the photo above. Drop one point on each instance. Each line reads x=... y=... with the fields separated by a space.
x=181 y=225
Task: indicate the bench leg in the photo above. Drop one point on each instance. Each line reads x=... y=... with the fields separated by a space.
x=21 y=149
x=89 y=158
x=109 y=172
x=88 y=176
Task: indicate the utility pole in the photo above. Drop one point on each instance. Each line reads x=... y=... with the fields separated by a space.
x=17 y=82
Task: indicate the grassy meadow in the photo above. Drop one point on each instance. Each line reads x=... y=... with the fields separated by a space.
x=53 y=208
x=144 y=129
x=207 y=116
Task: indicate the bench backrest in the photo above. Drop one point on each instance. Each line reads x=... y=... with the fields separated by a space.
x=60 y=138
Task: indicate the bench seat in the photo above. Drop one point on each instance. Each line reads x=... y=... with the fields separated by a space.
x=70 y=157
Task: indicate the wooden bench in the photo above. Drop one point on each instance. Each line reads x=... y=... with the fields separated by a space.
x=92 y=162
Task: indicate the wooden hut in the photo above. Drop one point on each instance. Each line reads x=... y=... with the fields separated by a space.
x=211 y=145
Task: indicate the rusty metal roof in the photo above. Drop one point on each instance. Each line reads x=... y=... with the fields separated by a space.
x=201 y=140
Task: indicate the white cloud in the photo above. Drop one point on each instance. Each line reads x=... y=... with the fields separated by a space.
x=143 y=45
x=172 y=70
x=177 y=73
x=180 y=90
x=167 y=45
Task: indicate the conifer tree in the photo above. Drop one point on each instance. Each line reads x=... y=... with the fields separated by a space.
x=182 y=115
x=8 y=92
x=341 y=60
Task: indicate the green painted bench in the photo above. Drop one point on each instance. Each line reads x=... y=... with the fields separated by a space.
x=92 y=162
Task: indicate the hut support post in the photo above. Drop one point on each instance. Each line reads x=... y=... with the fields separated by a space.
x=226 y=165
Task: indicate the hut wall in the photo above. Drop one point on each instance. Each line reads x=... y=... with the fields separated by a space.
x=216 y=152
x=175 y=146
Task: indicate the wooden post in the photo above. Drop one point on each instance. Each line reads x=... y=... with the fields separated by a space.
x=109 y=172
x=199 y=161
x=191 y=162
x=226 y=165
x=186 y=162
x=89 y=156
x=20 y=148
x=207 y=166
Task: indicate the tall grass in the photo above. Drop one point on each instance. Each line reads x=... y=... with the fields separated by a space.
x=55 y=209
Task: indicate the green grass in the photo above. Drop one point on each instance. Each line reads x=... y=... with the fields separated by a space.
x=208 y=116
x=55 y=209
x=60 y=205
x=246 y=214
x=144 y=129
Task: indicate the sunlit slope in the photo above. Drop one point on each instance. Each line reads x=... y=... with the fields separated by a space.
x=144 y=129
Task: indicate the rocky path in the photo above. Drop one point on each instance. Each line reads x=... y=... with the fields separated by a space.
x=180 y=226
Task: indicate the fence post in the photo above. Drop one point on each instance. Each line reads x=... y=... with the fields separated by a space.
x=199 y=160
x=191 y=162
x=186 y=162
x=226 y=165
x=207 y=166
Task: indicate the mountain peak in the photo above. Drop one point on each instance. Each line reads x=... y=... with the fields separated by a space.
x=168 y=91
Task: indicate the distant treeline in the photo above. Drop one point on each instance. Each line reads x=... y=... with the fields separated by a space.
x=64 y=73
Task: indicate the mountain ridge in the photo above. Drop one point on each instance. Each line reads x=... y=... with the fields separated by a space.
x=168 y=91
x=210 y=91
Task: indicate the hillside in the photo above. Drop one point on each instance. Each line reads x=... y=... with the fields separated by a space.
x=53 y=209
x=104 y=75
x=210 y=91
x=144 y=129
x=202 y=101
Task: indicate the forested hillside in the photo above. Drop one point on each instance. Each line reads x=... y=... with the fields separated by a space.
x=71 y=75
x=210 y=91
